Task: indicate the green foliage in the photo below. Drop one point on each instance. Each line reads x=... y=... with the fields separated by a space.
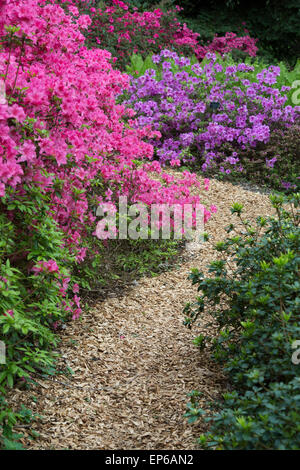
x=138 y=65
x=30 y=303
x=147 y=5
x=145 y=257
x=8 y=419
x=253 y=295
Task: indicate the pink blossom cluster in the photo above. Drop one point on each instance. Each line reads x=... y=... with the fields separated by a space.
x=227 y=43
x=62 y=281
x=46 y=266
x=124 y=30
x=61 y=129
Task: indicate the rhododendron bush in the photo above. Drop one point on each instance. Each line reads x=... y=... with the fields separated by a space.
x=65 y=147
x=221 y=115
x=123 y=30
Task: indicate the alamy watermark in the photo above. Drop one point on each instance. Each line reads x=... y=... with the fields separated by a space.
x=296 y=353
x=296 y=94
x=2 y=92
x=157 y=221
x=2 y=352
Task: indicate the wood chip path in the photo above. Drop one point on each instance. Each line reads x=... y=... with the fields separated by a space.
x=134 y=361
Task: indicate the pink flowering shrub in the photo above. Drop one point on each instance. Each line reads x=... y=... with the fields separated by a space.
x=228 y=43
x=124 y=30
x=65 y=147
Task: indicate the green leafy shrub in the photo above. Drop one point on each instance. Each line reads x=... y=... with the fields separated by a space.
x=33 y=300
x=8 y=419
x=253 y=295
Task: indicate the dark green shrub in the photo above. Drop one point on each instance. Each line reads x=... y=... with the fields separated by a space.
x=273 y=22
x=253 y=295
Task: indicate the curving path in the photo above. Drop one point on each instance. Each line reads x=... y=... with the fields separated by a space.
x=133 y=360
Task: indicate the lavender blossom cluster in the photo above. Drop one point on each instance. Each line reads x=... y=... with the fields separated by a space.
x=210 y=113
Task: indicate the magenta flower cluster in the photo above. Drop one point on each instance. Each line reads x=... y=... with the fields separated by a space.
x=61 y=131
x=202 y=110
x=123 y=29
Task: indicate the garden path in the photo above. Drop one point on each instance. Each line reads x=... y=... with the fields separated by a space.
x=133 y=359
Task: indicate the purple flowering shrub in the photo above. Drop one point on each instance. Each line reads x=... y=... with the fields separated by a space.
x=225 y=119
x=285 y=145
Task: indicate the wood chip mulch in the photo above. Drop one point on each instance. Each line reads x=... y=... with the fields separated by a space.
x=134 y=361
